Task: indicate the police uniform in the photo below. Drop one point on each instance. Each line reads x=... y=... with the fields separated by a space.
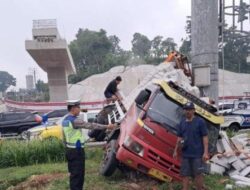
x=74 y=140
x=75 y=155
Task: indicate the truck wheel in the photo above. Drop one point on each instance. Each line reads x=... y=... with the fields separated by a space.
x=109 y=162
x=234 y=127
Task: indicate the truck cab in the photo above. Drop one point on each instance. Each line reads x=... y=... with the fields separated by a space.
x=147 y=136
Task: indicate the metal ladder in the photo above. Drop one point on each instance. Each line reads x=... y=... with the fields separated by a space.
x=118 y=113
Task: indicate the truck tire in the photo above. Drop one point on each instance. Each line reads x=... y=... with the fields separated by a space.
x=109 y=162
x=234 y=127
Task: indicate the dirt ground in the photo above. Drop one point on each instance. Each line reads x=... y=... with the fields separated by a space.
x=41 y=182
x=38 y=182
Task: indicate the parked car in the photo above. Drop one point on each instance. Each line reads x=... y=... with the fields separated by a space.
x=14 y=123
x=51 y=130
x=236 y=120
x=55 y=115
x=225 y=107
x=239 y=116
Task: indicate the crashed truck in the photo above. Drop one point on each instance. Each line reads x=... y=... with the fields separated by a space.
x=146 y=137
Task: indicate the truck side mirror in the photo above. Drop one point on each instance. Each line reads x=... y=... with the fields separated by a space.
x=142 y=98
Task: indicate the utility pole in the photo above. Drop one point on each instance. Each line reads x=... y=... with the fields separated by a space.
x=204 y=49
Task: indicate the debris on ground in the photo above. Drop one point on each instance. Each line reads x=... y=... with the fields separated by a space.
x=38 y=182
x=233 y=158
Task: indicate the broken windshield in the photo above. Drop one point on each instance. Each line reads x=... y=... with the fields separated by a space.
x=169 y=114
x=165 y=112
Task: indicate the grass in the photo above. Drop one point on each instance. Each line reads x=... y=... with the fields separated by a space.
x=20 y=154
x=14 y=175
x=23 y=153
x=93 y=181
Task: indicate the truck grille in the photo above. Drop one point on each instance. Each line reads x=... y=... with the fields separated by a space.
x=158 y=160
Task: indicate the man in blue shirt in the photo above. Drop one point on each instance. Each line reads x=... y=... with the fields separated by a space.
x=193 y=139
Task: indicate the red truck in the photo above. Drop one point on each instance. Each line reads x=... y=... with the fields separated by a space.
x=146 y=137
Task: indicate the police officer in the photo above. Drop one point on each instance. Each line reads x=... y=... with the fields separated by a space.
x=74 y=141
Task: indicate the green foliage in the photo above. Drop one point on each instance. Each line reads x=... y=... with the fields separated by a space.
x=14 y=175
x=141 y=45
x=115 y=48
x=156 y=46
x=162 y=47
x=152 y=52
x=118 y=181
x=235 y=52
x=94 y=52
x=185 y=48
x=230 y=133
x=42 y=86
x=43 y=89
x=6 y=80
x=236 y=47
x=22 y=153
x=168 y=45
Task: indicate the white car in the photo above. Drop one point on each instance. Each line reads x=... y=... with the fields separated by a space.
x=237 y=119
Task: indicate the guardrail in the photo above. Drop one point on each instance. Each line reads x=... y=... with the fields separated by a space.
x=48 y=106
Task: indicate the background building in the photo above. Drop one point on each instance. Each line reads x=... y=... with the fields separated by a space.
x=29 y=82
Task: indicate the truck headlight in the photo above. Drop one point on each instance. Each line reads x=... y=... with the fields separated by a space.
x=134 y=146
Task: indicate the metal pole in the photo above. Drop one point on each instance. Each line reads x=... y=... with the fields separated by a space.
x=233 y=9
x=204 y=35
x=222 y=49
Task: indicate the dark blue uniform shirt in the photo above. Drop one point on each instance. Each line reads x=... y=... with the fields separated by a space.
x=192 y=132
x=65 y=123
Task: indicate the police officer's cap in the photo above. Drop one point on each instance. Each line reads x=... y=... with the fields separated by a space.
x=73 y=102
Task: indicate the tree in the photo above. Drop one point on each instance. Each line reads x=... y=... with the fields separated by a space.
x=156 y=46
x=94 y=52
x=186 y=43
x=141 y=45
x=6 y=80
x=236 y=48
x=89 y=51
x=167 y=46
x=185 y=48
x=42 y=86
x=235 y=52
x=43 y=90
x=115 y=48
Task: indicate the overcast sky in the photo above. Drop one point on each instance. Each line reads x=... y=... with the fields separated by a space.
x=118 y=17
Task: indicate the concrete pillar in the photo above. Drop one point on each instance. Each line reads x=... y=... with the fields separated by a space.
x=57 y=80
x=204 y=35
x=52 y=54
